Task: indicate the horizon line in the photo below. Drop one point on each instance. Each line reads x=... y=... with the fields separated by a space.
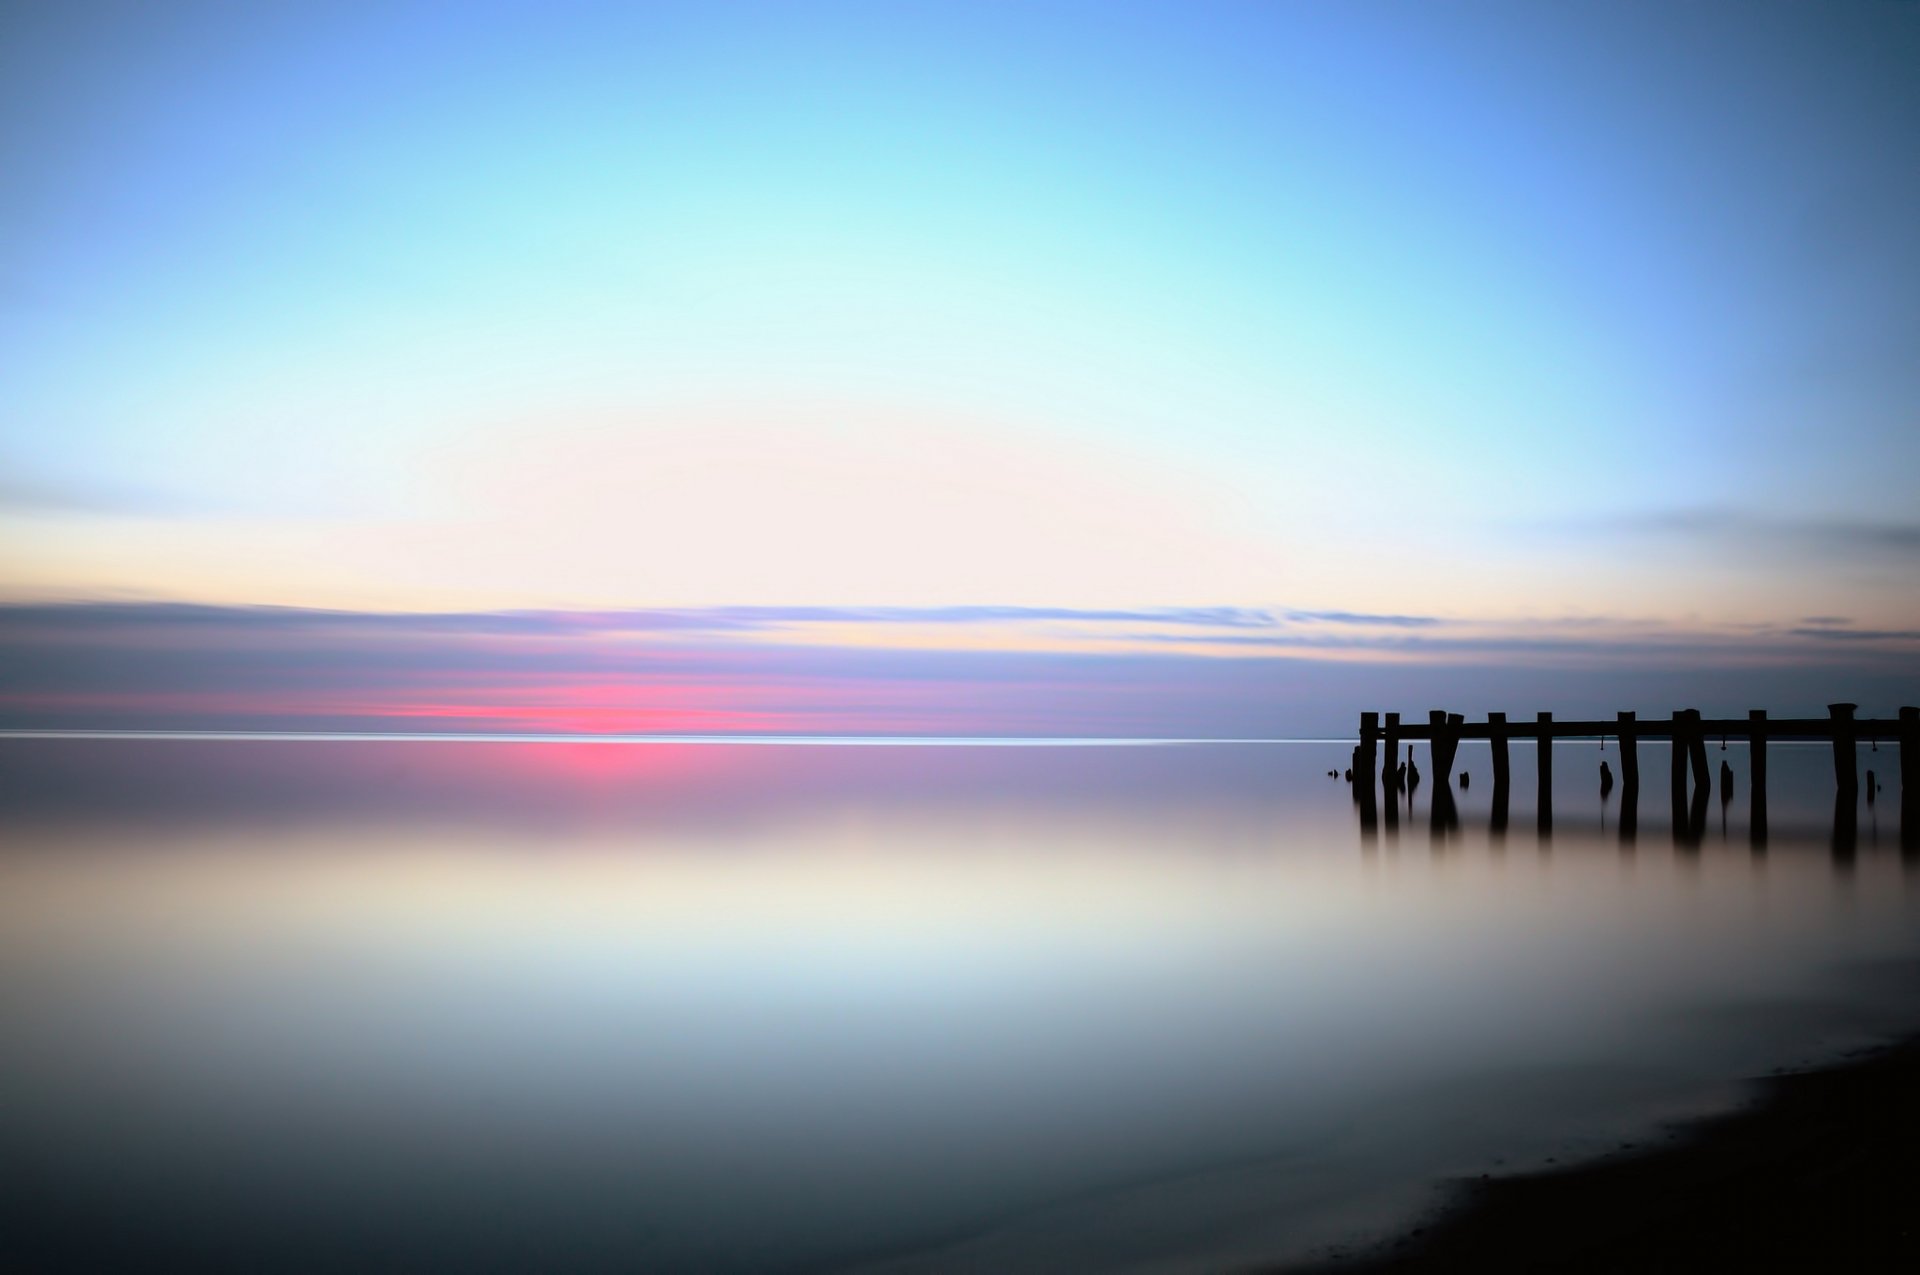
x=541 y=737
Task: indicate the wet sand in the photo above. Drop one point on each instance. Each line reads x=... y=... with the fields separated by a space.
x=1821 y=1171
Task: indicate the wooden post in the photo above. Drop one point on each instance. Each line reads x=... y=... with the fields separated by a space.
x=1846 y=771
x=1545 y=804
x=1757 y=776
x=1497 y=744
x=1390 y=754
x=1629 y=753
x=1679 y=759
x=1909 y=782
x=1909 y=749
x=1697 y=752
x=1454 y=722
x=1363 y=772
x=1437 y=748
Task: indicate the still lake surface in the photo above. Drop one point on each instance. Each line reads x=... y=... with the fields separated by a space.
x=573 y=1006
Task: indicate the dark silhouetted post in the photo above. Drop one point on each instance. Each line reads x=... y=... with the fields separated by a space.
x=1437 y=748
x=1390 y=755
x=1546 y=772
x=1497 y=743
x=1846 y=771
x=1910 y=780
x=1909 y=749
x=1454 y=722
x=1757 y=776
x=1629 y=755
x=1679 y=759
x=1697 y=752
x=1363 y=770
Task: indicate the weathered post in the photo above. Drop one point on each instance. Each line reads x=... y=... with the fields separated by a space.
x=1545 y=721
x=1697 y=752
x=1454 y=722
x=1846 y=772
x=1909 y=780
x=1629 y=754
x=1909 y=748
x=1437 y=748
x=1390 y=754
x=1757 y=776
x=1497 y=743
x=1363 y=770
x=1679 y=760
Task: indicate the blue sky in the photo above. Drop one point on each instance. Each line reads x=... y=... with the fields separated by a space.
x=1495 y=313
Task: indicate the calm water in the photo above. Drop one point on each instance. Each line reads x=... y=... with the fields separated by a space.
x=545 y=1006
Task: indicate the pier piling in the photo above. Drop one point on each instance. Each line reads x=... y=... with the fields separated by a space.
x=1437 y=746
x=1909 y=749
x=1678 y=762
x=1697 y=751
x=1692 y=780
x=1545 y=721
x=1629 y=754
x=1497 y=740
x=1390 y=756
x=1846 y=770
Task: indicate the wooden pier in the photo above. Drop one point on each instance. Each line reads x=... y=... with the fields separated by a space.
x=1689 y=777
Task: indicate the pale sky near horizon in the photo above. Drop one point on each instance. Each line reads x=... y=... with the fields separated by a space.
x=1486 y=312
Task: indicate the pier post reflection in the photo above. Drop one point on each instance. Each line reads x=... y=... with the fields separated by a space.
x=1846 y=828
x=1444 y=816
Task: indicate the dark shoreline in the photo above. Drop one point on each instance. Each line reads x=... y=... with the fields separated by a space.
x=1820 y=1171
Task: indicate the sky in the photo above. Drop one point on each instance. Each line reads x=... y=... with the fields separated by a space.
x=1106 y=351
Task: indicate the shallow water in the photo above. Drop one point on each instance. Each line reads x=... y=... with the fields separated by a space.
x=281 y=1005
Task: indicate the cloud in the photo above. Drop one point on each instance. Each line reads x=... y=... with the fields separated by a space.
x=1768 y=536
x=184 y=666
x=1857 y=635
x=42 y=496
x=1360 y=618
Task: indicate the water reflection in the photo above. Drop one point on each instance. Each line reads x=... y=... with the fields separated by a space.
x=1815 y=808
x=455 y=1007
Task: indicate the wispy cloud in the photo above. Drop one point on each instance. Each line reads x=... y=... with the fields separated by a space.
x=1763 y=534
x=1830 y=634
x=32 y=495
x=1361 y=618
x=1189 y=672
